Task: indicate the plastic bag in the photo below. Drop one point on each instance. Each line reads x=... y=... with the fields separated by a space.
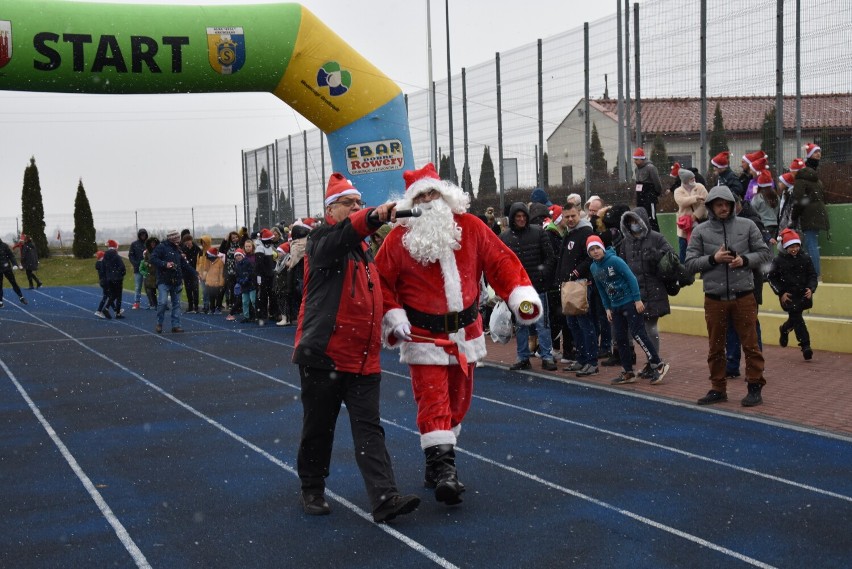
x=500 y=325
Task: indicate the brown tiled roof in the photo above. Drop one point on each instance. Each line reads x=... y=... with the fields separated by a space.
x=738 y=113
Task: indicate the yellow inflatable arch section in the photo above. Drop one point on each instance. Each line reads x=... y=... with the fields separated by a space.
x=76 y=47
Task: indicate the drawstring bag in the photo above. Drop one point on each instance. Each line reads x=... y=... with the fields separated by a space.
x=500 y=325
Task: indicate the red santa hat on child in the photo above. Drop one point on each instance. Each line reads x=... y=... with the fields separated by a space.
x=789 y=237
x=284 y=248
x=721 y=159
x=764 y=179
x=594 y=241
x=810 y=148
x=788 y=179
x=639 y=154
x=759 y=165
x=240 y=251
x=675 y=169
x=112 y=244
x=752 y=156
x=796 y=165
x=339 y=186
x=99 y=255
x=556 y=213
x=266 y=235
x=213 y=252
x=425 y=180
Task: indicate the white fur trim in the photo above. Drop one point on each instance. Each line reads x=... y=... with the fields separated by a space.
x=452 y=282
x=435 y=438
x=521 y=294
x=791 y=242
x=391 y=319
x=453 y=195
x=457 y=431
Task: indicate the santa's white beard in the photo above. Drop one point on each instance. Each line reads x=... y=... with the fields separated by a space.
x=434 y=234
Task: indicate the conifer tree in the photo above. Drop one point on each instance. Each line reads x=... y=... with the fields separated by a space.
x=444 y=167
x=544 y=170
x=767 y=138
x=597 y=157
x=718 y=137
x=659 y=156
x=32 y=209
x=84 y=226
x=467 y=183
x=264 y=203
x=487 y=179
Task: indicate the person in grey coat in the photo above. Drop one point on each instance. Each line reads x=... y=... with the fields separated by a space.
x=642 y=248
x=725 y=249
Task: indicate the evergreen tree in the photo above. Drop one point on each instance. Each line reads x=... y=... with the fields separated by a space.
x=487 y=179
x=444 y=167
x=467 y=183
x=286 y=214
x=32 y=209
x=264 y=209
x=544 y=170
x=597 y=158
x=718 y=137
x=84 y=226
x=767 y=138
x=659 y=156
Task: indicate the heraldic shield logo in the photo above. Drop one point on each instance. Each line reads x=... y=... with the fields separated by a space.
x=336 y=79
x=226 y=49
x=5 y=42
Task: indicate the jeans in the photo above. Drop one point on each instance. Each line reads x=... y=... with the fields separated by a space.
x=682 y=243
x=542 y=327
x=249 y=300
x=812 y=247
x=323 y=392
x=164 y=291
x=138 y=281
x=585 y=339
x=626 y=321
x=733 y=349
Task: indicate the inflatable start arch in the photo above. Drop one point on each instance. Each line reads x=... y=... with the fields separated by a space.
x=75 y=47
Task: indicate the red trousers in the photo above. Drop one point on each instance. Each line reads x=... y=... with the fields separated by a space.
x=443 y=395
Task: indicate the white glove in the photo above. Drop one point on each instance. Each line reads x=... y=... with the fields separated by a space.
x=403 y=331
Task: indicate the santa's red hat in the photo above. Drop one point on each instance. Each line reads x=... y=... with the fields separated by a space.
x=594 y=241
x=675 y=169
x=427 y=172
x=266 y=235
x=796 y=165
x=810 y=148
x=23 y=236
x=789 y=237
x=764 y=179
x=752 y=156
x=556 y=213
x=112 y=244
x=759 y=165
x=425 y=180
x=310 y=222
x=639 y=154
x=339 y=186
x=284 y=248
x=721 y=159
x=788 y=179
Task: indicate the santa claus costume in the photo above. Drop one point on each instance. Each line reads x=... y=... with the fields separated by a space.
x=430 y=269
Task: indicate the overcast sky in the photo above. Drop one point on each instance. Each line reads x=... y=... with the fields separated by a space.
x=136 y=151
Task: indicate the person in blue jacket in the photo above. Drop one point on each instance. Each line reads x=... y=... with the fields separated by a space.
x=619 y=291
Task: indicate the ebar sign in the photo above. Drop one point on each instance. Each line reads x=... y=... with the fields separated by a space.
x=378 y=156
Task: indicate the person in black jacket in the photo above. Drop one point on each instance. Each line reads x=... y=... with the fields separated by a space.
x=114 y=271
x=532 y=246
x=190 y=281
x=135 y=255
x=7 y=264
x=794 y=279
x=727 y=178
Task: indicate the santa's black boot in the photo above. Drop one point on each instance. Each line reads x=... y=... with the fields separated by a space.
x=441 y=474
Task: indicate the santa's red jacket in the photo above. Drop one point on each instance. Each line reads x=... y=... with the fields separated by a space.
x=450 y=285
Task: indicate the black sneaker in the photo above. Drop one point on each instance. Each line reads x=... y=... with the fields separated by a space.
x=807 y=352
x=23 y=300
x=574 y=366
x=753 y=398
x=713 y=397
x=785 y=337
x=548 y=365
x=587 y=370
x=396 y=506
x=625 y=378
x=315 y=505
x=521 y=365
x=647 y=372
x=658 y=372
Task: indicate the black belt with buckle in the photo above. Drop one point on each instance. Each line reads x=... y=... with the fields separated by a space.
x=443 y=323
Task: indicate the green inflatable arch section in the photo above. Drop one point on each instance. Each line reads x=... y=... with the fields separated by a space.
x=78 y=47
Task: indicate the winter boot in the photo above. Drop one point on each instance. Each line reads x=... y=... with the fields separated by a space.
x=441 y=474
x=753 y=398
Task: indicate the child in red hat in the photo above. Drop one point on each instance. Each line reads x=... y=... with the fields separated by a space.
x=794 y=279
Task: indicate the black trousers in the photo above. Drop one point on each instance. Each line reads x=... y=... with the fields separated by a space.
x=190 y=284
x=31 y=276
x=796 y=323
x=115 y=289
x=10 y=276
x=323 y=392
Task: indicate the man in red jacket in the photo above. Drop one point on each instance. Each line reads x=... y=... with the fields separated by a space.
x=337 y=349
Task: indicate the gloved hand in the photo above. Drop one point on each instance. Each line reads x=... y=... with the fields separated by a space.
x=403 y=331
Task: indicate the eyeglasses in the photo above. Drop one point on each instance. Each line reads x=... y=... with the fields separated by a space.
x=349 y=203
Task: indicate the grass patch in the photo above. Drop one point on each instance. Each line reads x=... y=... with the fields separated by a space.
x=58 y=270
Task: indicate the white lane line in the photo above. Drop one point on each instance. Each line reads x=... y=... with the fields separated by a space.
x=120 y=531
x=416 y=546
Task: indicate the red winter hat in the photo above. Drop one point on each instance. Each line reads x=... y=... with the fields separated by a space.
x=797 y=164
x=789 y=237
x=213 y=252
x=639 y=154
x=764 y=179
x=759 y=165
x=339 y=186
x=594 y=241
x=239 y=251
x=788 y=179
x=309 y=221
x=266 y=235
x=112 y=244
x=721 y=160
x=810 y=148
x=675 y=169
x=556 y=213
x=99 y=255
x=752 y=156
x=284 y=248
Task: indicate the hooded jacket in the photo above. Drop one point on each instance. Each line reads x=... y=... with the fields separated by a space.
x=793 y=274
x=616 y=284
x=642 y=253
x=809 y=202
x=533 y=247
x=738 y=235
x=137 y=249
x=574 y=261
